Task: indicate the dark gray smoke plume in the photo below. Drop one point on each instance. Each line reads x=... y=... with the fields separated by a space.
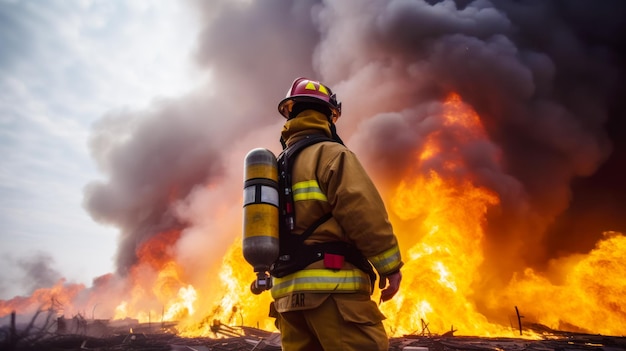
x=541 y=78
x=38 y=271
x=154 y=158
x=542 y=75
x=34 y=272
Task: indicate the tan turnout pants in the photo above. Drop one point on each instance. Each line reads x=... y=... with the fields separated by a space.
x=342 y=322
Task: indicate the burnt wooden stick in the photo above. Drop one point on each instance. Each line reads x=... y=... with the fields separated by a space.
x=519 y=320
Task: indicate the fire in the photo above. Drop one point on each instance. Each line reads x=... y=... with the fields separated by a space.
x=590 y=292
x=439 y=214
x=440 y=225
x=235 y=305
x=441 y=265
x=61 y=294
x=157 y=285
x=442 y=237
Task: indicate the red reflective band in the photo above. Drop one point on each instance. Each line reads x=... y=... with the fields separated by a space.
x=332 y=261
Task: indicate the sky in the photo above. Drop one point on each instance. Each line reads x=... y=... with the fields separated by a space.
x=125 y=119
x=63 y=66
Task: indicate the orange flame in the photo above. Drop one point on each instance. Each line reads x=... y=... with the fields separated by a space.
x=61 y=294
x=157 y=283
x=588 y=291
x=440 y=225
x=442 y=240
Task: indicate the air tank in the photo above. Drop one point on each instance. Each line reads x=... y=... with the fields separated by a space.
x=260 y=215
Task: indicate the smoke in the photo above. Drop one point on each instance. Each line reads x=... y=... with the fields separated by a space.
x=157 y=158
x=33 y=272
x=38 y=271
x=537 y=73
x=541 y=75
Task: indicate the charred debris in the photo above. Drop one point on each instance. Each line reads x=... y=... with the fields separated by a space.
x=46 y=332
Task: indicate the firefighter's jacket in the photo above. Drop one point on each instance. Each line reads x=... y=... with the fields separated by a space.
x=327 y=177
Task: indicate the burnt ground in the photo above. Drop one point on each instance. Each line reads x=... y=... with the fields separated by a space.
x=246 y=338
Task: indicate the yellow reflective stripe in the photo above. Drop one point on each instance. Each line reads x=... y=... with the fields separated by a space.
x=305 y=184
x=308 y=190
x=388 y=261
x=311 y=86
x=309 y=196
x=322 y=89
x=321 y=280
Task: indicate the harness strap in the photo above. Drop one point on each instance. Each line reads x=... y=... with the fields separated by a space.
x=285 y=165
x=307 y=233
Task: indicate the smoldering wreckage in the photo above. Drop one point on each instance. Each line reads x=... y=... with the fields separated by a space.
x=532 y=81
x=44 y=331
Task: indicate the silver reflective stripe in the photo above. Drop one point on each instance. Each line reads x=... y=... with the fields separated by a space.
x=269 y=195
x=387 y=260
x=248 y=195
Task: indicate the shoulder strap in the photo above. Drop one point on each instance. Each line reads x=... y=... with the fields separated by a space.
x=285 y=166
x=293 y=150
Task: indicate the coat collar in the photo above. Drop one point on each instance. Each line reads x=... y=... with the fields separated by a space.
x=307 y=122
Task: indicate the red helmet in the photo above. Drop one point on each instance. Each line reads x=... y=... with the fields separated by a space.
x=306 y=90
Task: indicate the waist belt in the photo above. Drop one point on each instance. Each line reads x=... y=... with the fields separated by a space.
x=307 y=254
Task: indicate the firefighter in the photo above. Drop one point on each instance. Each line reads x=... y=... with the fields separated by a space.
x=323 y=280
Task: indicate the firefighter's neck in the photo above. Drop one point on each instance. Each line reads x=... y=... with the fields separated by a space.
x=307 y=122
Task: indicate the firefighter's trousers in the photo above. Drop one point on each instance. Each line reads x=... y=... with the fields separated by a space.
x=342 y=322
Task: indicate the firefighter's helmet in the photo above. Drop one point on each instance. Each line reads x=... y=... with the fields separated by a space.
x=311 y=91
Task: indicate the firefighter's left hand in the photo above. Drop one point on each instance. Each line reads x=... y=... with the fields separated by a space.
x=392 y=288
